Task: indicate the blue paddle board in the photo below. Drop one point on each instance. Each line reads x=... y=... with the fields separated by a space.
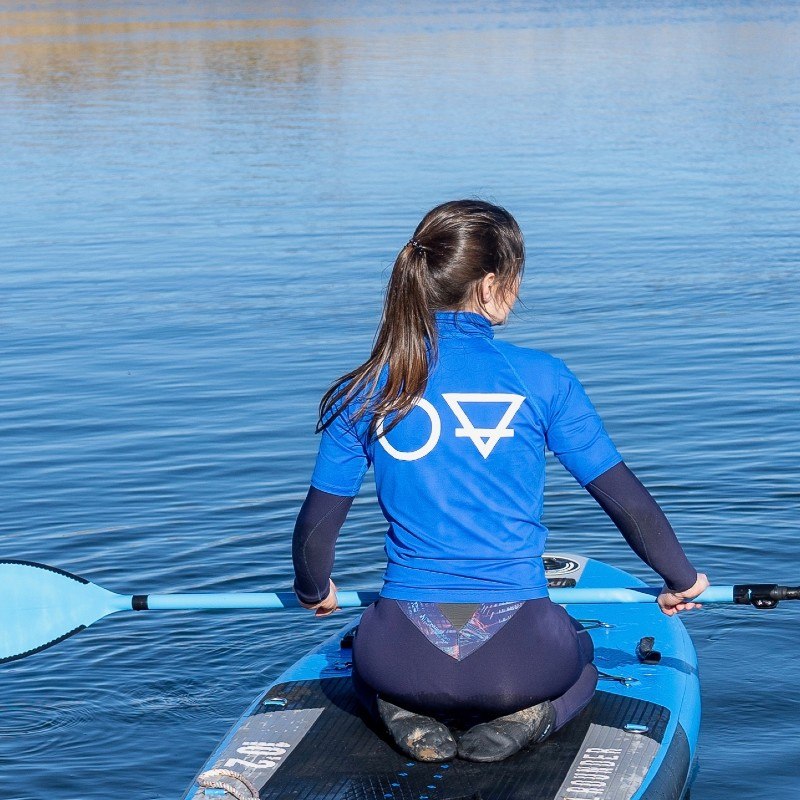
x=305 y=737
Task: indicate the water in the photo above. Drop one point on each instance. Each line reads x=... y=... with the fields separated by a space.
x=199 y=206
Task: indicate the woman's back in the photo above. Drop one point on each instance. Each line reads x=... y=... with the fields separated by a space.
x=461 y=477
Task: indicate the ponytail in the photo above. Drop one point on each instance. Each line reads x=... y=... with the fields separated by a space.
x=405 y=341
x=440 y=268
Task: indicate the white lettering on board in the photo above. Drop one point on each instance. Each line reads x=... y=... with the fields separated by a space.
x=268 y=754
x=592 y=774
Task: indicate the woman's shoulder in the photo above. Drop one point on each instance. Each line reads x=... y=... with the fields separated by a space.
x=530 y=358
x=542 y=374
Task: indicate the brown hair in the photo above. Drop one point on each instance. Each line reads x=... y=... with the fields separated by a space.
x=441 y=268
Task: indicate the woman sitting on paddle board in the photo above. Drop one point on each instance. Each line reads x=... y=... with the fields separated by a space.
x=455 y=424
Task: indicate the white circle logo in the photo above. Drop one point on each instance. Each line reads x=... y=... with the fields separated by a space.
x=433 y=439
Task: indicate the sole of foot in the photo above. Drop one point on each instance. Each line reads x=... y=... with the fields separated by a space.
x=420 y=737
x=502 y=737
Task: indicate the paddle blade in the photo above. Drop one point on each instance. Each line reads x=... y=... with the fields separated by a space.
x=41 y=606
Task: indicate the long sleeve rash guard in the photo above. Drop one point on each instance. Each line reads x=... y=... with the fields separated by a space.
x=460 y=478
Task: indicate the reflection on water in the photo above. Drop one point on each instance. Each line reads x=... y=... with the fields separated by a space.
x=98 y=58
x=199 y=205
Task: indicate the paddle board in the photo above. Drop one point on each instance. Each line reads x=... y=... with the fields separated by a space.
x=305 y=738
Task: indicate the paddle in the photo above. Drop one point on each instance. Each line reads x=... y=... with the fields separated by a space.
x=41 y=606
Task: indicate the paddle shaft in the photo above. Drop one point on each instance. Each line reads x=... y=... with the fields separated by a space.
x=759 y=595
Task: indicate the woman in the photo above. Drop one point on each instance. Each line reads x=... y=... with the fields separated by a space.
x=455 y=425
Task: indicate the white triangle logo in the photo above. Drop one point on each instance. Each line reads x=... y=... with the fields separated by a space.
x=484 y=439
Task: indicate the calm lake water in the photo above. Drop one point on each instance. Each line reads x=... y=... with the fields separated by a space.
x=199 y=206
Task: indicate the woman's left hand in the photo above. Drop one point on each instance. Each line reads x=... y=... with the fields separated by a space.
x=327 y=606
x=672 y=603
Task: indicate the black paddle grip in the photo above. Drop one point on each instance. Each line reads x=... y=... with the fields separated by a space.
x=764 y=595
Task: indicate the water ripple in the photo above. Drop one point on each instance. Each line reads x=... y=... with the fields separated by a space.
x=17 y=719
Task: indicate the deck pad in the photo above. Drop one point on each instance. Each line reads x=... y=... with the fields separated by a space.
x=320 y=747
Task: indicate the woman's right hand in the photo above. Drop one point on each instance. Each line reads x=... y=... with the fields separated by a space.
x=673 y=602
x=326 y=606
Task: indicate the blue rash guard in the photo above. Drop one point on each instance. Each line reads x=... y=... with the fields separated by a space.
x=461 y=478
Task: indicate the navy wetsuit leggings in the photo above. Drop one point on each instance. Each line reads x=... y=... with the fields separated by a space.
x=467 y=663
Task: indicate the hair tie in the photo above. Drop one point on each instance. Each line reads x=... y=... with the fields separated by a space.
x=416 y=245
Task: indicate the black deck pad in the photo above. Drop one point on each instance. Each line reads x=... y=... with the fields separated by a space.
x=341 y=757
